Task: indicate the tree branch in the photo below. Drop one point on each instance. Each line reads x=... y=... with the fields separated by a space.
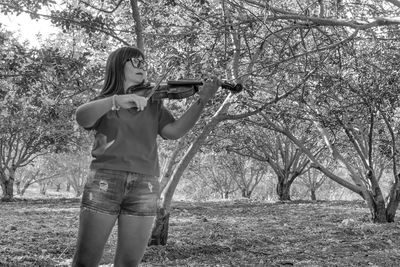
x=103 y=10
x=138 y=24
x=109 y=33
x=394 y=2
x=318 y=21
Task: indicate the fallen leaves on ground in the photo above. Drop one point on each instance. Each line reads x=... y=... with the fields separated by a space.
x=226 y=233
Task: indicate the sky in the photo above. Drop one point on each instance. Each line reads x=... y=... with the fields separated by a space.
x=27 y=28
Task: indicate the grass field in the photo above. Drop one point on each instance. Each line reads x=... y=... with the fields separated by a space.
x=226 y=233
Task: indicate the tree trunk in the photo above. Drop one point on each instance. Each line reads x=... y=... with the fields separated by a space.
x=283 y=190
x=159 y=234
x=379 y=212
x=377 y=205
x=168 y=171
x=24 y=188
x=8 y=190
x=246 y=193
x=313 y=195
x=394 y=199
x=78 y=192
x=226 y=195
x=43 y=189
x=160 y=227
x=18 y=186
x=169 y=190
x=7 y=184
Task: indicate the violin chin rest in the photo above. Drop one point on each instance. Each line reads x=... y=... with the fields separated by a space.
x=234 y=88
x=237 y=88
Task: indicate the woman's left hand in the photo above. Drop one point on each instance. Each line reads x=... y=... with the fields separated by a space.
x=209 y=88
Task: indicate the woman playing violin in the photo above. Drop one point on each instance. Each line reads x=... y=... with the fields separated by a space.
x=122 y=185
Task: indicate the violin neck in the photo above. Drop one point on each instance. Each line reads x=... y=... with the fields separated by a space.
x=234 y=88
x=185 y=82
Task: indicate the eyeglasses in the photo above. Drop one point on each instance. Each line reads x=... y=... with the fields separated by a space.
x=138 y=63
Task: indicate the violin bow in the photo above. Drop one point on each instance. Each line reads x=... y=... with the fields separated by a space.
x=157 y=85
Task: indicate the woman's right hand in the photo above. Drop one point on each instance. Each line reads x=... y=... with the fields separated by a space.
x=130 y=101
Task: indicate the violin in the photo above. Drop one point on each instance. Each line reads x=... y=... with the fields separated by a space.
x=179 y=89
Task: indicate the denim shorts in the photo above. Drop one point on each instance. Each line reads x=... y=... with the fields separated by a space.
x=120 y=192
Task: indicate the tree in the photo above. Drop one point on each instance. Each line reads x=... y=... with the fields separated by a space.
x=246 y=172
x=354 y=111
x=38 y=92
x=313 y=180
x=42 y=171
x=285 y=159
x=74 y=167
x=216 y=175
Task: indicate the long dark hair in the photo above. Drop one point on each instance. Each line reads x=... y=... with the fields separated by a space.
x=115 y=76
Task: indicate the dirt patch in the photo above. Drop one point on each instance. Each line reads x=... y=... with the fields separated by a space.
x=234 y=233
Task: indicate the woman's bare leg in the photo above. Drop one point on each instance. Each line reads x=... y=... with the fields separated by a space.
x=133 y=235
x=94 y=230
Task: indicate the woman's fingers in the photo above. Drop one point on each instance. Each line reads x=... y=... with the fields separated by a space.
x=210 y=86
x=140 y=101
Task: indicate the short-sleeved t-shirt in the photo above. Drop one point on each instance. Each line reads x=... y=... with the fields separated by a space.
x=125 y=139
